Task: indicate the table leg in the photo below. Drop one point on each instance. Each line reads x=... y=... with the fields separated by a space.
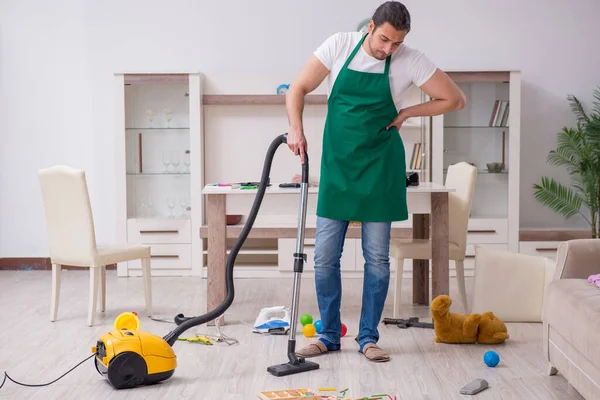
x=217 y=252
x=440 y=276
x=420 y=267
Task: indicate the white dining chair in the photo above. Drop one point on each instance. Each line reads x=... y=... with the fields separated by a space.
x=461 y=177
x=72 y=239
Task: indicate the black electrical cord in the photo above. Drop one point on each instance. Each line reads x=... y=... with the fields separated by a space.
x=6 y=376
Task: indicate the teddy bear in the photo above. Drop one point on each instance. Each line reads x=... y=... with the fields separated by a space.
x=492 y=329
x=452 y=327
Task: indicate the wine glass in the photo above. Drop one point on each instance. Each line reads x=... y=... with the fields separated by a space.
x=171 y=205
x=143 y=207
x=187 y=161
x=168 y=115
x=166 y=159
x=150 y=209
x=150 y=115
x=175 y=160
x=183 y=205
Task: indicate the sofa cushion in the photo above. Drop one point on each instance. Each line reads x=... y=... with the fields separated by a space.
x=572 y=308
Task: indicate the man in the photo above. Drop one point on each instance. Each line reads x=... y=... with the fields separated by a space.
x=363 y=174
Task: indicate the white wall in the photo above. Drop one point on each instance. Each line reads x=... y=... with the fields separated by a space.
x=56 y=76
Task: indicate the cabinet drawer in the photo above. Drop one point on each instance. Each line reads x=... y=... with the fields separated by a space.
x=159 y=231
x=167 y=256
x=287 y=248
x=487 y=230
x=544 y=249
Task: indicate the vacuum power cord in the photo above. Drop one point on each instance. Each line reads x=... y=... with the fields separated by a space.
x=6 y=376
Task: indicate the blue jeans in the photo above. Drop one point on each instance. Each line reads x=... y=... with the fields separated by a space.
x=330 y=236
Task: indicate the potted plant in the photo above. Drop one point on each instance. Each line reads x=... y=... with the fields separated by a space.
x=578 y=150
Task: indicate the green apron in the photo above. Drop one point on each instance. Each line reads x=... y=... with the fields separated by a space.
x=363 y=167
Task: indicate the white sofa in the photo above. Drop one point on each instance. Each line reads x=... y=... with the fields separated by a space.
x=571 y=317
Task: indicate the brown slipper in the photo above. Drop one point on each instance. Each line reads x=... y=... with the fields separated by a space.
x=374 y=353
x=314 y=349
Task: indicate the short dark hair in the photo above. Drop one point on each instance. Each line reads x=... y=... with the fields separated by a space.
x=393 y=12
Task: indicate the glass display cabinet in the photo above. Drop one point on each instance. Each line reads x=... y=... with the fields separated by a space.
x=160 y=180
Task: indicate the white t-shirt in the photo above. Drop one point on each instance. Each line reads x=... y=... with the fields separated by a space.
x=408 y=66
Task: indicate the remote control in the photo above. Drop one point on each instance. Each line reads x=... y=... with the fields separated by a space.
x=289 y=185
x=474 y=387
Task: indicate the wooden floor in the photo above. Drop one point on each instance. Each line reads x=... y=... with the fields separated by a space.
x=34 y=350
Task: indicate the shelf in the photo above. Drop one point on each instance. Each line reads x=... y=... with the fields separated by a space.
x=156 y=129
x=477 y=127
x=552 y=235
x=479 y=76
x=257 y=99
x=153 y=79
x=484 y=172
x=158 y=173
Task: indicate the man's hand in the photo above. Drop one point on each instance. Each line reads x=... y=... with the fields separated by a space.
x=398 y=121
x=296 y=141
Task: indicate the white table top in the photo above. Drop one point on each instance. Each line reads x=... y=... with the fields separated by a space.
x=424 y=187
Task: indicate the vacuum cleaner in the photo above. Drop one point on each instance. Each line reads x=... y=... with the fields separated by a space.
x=128 y=358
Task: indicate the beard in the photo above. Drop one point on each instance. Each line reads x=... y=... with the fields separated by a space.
x=378 y=54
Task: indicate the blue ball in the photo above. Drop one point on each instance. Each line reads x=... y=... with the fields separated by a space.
x=491 y=358
x=319 y=326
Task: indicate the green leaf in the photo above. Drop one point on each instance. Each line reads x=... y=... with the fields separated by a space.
x=563 y=157
x=596 y=102
x=577 y=109
x=561 y=199
x=593 y=125
x=593 y=129
x=587 y=188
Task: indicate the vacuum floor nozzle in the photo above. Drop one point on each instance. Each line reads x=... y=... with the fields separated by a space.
x=290 y=368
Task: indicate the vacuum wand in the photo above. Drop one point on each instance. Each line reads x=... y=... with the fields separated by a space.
x=299 y=260
x=297 y=364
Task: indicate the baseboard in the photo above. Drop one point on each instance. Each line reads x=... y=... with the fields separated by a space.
x=36 y=264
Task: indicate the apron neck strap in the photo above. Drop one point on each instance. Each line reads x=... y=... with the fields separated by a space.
x=360 y=42
x=387 y=64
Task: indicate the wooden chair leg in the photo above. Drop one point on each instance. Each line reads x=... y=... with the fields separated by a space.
x=147 y=274
x=460 y=278
x=103 y=288
x=398 y=289
x=94 y=278
x=56 y=277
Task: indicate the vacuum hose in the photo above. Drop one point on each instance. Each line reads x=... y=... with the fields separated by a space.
x=185 y=323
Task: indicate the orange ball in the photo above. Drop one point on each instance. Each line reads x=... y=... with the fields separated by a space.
x=309 y=330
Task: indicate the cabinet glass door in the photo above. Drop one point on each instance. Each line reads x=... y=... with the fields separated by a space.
x=157 y=119
x=479 y=134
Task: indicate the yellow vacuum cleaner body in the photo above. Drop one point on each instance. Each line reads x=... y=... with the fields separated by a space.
x=129 y=358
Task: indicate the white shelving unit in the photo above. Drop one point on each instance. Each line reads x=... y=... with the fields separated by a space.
x=160 y=169
x=474 y=135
